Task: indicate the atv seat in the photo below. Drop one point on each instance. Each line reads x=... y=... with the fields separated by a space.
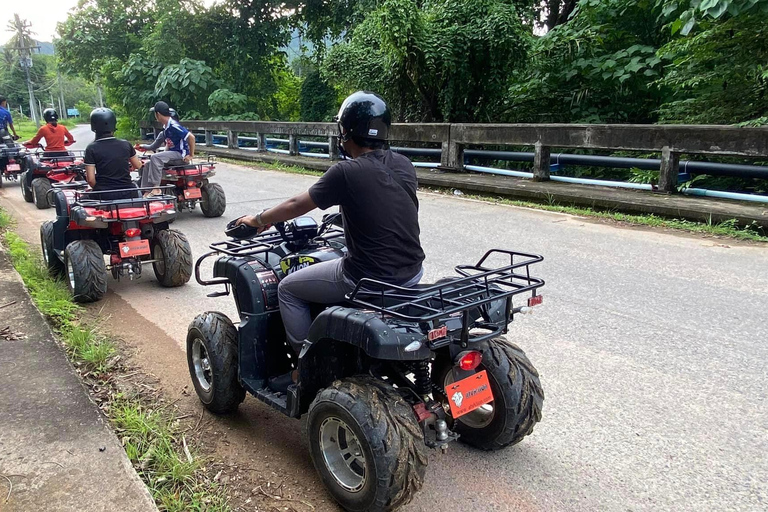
x=130 y=212
x=176 y=162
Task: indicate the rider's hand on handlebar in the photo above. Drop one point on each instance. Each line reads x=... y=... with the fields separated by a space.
x=188 y=159
x=70 y=143
x=250 y=220
x=16 y=137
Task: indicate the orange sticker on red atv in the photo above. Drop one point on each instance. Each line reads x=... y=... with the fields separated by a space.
x=192 y=193
x=468 y=394
x=134 y=248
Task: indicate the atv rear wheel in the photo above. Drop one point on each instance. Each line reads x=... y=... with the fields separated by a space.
x=213 y=201
x=212 y=361
x=366 y=444
x=40 y=188
x=173 y=257
x=86 y=272
x=26 y=191
x=517 y=394
x=52 y=262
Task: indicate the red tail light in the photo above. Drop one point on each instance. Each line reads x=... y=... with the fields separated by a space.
x=470 y=360
x=190 y=183
x=132 y=232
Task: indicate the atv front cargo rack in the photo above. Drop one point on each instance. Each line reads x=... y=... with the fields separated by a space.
x=479 y=285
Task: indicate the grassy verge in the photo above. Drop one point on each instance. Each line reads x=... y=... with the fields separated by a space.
x=729 y=228
x=151 y=435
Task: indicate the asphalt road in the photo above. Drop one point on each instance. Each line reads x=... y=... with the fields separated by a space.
x=651 y=348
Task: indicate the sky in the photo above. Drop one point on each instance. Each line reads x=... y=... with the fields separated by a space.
x=43 y=14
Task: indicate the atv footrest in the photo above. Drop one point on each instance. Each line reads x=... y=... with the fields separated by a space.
x=287 y=404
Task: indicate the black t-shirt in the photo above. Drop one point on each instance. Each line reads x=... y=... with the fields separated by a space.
x=111 y=157
x=381 y=219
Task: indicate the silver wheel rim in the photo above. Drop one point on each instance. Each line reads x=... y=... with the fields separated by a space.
x=71 y=274
x=45 y=253
x=201 y=364
x=342 y=453
x=159 y=257
x=480 y=417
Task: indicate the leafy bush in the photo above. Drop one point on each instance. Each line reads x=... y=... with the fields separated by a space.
x=226 y=102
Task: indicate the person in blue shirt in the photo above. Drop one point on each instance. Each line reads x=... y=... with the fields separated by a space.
x=179 y=145
x=6 y=120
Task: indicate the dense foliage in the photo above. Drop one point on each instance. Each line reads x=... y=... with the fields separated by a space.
x=636 y=61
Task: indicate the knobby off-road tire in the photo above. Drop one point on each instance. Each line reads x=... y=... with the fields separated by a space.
x=173 y=258
x=40 y=188
x=86 y=274
x=517 y=392
x=387 y=435
x=26 y=192
x=212 y=361
x=52 y=262
x=213 y=201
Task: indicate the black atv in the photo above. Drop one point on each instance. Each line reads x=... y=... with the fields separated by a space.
x=382 y=376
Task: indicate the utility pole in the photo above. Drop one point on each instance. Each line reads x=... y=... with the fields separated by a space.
x=62 y=104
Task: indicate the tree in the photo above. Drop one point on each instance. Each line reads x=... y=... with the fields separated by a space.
x=431 y=61
x=318 y=100
x=601 y=66
x=717 y=72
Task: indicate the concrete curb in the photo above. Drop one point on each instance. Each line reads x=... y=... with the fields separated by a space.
x=55 y=446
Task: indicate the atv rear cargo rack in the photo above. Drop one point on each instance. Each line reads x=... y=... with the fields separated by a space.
x=112 y=209
x=478 y=286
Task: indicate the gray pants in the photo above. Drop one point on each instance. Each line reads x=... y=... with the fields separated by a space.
x=323 y=283
x=152 y=172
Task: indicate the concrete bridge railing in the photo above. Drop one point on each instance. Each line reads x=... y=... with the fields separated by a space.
x=669 y=140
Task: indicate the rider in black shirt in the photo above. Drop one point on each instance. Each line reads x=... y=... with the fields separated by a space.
x=376 y=192
x=109 y=161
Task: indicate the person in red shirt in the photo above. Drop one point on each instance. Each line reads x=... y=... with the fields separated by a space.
x=56 y=136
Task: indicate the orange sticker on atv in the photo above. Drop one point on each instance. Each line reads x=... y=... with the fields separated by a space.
x=192 y=193
x=134 y=248
x=468 y=394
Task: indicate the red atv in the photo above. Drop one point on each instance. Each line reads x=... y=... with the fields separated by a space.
x=132 y=231
x=41 y=172
x=191 y=186
x=11 y=155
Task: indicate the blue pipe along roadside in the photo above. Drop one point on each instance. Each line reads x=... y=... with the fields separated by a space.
x=318 y=149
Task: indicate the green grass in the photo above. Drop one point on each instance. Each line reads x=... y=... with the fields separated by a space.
x=150 y=435
x=26 y=128
x=729 y=228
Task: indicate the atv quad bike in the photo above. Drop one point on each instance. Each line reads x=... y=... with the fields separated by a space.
x=132 y=232
x=381 y=377
x=192 y=186
x=41 y=172
x=11 y=155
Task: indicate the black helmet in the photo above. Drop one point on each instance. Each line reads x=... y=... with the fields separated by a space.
x=364 y=116
x=50 y=115
x=103 y=120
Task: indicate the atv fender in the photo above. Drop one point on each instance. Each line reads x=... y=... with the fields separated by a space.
x=367 y=330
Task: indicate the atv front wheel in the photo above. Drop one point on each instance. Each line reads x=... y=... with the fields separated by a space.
x=52 y=262
x=517 y=394
x=172 y=257
x=40 y=188
x=86 y=272
x=212 y=361
x=366 y=445
x=213 y=201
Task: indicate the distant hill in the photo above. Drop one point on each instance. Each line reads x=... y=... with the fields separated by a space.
x=46 y=48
